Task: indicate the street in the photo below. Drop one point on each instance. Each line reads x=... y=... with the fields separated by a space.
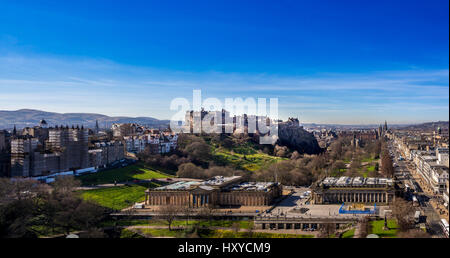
x=405 y=173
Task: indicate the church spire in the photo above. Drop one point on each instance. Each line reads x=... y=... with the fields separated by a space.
x=96 y=127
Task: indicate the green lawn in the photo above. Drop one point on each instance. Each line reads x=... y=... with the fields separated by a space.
x=128 y=173
x=213 y=223
x=217 y=234
x=377 y=228
x=160 y=232
x=118 y=197
x=125 y=233
x=231 y=234
x=370 y=168
x=349 y=233
x=249 y=162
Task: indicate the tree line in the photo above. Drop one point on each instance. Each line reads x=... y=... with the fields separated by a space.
x=32 y=209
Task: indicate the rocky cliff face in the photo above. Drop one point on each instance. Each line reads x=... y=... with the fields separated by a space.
x=295 y=137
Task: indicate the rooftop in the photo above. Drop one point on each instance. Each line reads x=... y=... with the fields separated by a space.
x=252 y=186
x=220 y=180
x=229 y=183
x=182 y=185
x=355 y=181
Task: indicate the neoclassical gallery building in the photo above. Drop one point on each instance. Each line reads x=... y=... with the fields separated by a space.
x=216 y=192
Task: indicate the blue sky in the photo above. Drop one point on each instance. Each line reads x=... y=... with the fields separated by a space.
x=326 y=61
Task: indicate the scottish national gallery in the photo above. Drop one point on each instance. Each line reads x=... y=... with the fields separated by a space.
x=216 y=192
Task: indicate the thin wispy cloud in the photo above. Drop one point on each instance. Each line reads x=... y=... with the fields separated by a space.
x=103 y=86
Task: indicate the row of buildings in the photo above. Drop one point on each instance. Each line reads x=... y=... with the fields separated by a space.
x=137 y=138
x=429 y=152
x=42 y=150
x=154 y=143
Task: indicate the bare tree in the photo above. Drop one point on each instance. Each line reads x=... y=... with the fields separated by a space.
x=414 y=233
x=169 y=213
x=250 y=229
x=403 y=212
x=236 y=227
x=24 y=188
x=327 y=229
x=65 y=184
x=206 y=213
x=187 y=211
x=363 y=226
x=387 y=167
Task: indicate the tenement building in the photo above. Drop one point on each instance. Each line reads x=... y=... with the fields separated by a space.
x=65 y=149
x=106 y=153
x=353 y=190
x=218 y=191
x=72 y=144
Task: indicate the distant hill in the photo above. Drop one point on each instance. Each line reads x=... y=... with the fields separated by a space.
x=427 y=126
x=30 y=117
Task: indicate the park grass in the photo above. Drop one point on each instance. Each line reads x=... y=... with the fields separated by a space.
x=376 y=227
x=160 y=232
x=45 y=231
x=118 y=197
x=369 y=160
x=249 y=162
x=219 y=233
x=349 y=233
x=214 y=223
x=125 y=233
x=125 y=174
x=245 y=224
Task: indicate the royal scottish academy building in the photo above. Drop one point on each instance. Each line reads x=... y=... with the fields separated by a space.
x=353 y=190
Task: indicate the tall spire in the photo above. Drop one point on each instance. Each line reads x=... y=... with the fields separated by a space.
x=14 y=132
x=96 y=127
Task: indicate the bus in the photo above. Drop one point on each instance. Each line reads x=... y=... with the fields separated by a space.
x=417 y=217
x=415 y=201
x=407 y=188
x=444 y=225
